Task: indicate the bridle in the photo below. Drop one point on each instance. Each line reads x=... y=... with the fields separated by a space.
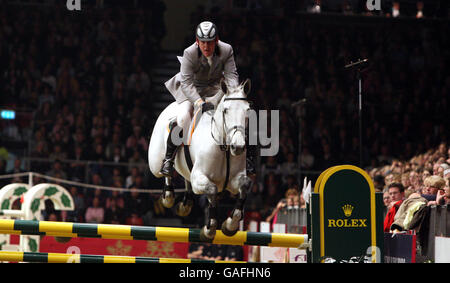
x=227 y=130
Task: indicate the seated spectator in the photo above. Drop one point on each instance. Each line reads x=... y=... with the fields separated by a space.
x=289 y=182
x=443 y=196
x=138 y=182
x=77 y=168
x=134 y=219
x=378 y=182
x=195 y=250
x=396 y=193
x=57 y=170
x=415 y=182
x=289 y=195
x=299 y=201
x=136 y=202
x=91 y=193
x=306 y=159
x=433 y=184
x=137 y=160
x=289 y=167
x=234 y=253
x=45 y=116
x=406 y=211
x=117 y=178
x=114 y=214
x=131 y=179
x=78 y=214
x=209 y=251
x=386 y=198
x=17 y=168
x=442 y=167
x=95 y=213
x=58 y=153
x=270 y=166
x=117 y=156
x=118 y=199
x=110 y=149
x=136 y=141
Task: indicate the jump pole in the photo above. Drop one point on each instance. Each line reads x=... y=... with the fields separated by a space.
x=164 y=234
x=81 y=258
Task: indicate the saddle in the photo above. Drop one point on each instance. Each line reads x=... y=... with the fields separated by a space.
x=187 y=155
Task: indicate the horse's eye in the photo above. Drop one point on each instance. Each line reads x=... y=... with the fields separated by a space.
x=225 y=110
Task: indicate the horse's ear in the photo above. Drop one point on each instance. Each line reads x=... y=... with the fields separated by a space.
x=247 y=86
x=223 y=86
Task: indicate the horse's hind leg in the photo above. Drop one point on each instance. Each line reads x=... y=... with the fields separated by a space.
x=185 y=206
x=168 y=194
x=231 y=225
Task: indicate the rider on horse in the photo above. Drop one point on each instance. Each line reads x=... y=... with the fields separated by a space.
x=203 y=65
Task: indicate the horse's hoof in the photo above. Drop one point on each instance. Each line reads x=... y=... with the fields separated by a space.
x=225 y=230
x=168 y=199
x=209 y=234
x=184 y=210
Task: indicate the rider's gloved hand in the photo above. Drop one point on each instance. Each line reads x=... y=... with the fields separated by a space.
x=205 y=106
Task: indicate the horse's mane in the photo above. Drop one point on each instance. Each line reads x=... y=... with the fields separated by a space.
x=236 y=88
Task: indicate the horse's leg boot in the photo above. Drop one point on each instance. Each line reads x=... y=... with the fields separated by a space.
x=251 y=155
x=171 y=152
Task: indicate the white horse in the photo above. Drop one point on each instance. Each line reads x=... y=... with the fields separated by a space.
x=217 y=134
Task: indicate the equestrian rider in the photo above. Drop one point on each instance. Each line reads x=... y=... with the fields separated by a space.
x=203 y=65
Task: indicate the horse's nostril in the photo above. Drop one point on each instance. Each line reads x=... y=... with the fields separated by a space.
x=233 y=147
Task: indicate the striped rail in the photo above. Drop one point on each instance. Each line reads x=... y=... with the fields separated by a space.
x=79 y=258
x=164 y=234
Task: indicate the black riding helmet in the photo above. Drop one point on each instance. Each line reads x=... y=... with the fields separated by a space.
x=206 y=31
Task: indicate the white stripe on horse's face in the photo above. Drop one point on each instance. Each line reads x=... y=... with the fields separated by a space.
x=235 y=116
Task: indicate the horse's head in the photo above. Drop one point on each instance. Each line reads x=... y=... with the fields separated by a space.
x=233 y=108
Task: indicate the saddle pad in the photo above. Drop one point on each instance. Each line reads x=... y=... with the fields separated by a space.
x=195 y=119
x=192 y=126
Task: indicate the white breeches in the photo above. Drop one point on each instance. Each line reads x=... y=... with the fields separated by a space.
x=184 y=116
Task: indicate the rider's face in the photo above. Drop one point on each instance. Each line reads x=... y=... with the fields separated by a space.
x=207 y=47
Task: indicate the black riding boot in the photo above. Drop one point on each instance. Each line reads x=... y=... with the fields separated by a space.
x=171 y=152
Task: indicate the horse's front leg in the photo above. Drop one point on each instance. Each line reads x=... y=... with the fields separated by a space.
x=202 y=185
x=239 y=185
x=168 y=193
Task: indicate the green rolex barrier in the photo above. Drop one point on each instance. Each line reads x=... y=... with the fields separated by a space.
x=346 y=217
